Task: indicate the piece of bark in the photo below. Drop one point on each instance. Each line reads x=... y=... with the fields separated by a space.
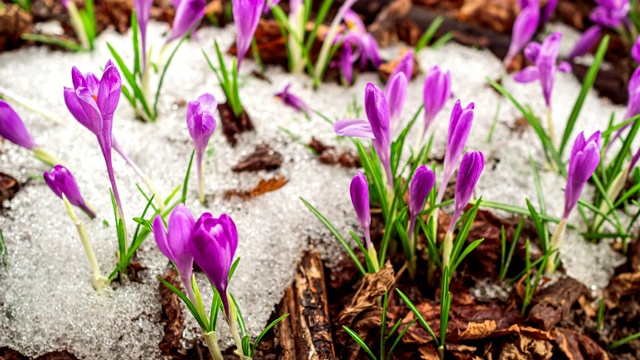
x=232 y=125
x=329 y=156
x=286 y=331
x=264 y=158
x=263 y=187
x=13 y=23
x=171 y=315
x=555 y=301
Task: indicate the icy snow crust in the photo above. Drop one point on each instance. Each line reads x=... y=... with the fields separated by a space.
x=46 y=299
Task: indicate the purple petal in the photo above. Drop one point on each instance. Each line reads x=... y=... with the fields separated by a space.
x=405 y=66
x=527 y=75
x=421 y=185
x=635 y=50
x=90 y=107
x=188 y=13
x=436 y=93
x=12 y=128
x=397 y=94
x=524 y=28
x=61 y=181
x=585 y=157
x=531 y=51
x=346 y=63
x=354 y=128
x=109 y=92
x=586 y=42
x=246 y=14
x=547 y=11
x=360 y=199
x=470 y=170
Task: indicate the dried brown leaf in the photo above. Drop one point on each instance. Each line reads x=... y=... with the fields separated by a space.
x=263 y=187
x=263 y=158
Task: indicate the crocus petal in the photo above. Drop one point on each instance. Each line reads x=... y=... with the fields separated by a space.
x=208 y=102
x=246 y=14
x=585 y=157
x=354 y=22
x=201 y=121
x=531 y=51
x=459 y=128
x=370 y=49
x=188 y=13
x=90 y=108
x=61 y=181
x=292 y=100
x=586 y=42
x=546 y=64
x=527 y=75
x=635 y=50
x=564 y=67
x=354 y=128
x=181 y=224
x=405 y=66
x=436 y=93
x=360 y=199
x=468 y=176
x=77 y=78
x=396 y=95
x=524 y=28
x=421 y=185
x=547 y=11
x=12 y=128
x=109 y=92
x=346 y=63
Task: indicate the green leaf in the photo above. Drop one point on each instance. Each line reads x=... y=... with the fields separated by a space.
x=466 y=252
x=360 y=342
x=461 y=238
x=337 y=235
x=185 y=183
x=587 y=83
x=539 y=191
x=164 y=72
x=443 y=40
x=232 y=270
x=264 y=332
x=364 y=251
x=53 y=41
x=241 y=324
x=216 y=304
x=541 y=227
x=514 y=241
x=397 y=341
x=429 y=33
x=130 y=79
x=184 y=299
x=418 y=316
x=3 y=250
x=626 y=340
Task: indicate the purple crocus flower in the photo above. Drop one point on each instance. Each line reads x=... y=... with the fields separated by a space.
x=396 y=92
x=610 y=13
x=93 y=102
x=201 y=123
x=419 y=188
x=346 y=63
x=376 y=128
x=13 y=129
x=635 y=50
x=633 y=104
x=470 y=170
x=586 y=42
x=404 y=66
x=213 y=246
x=360 y=200
x=61 y=181
x=544 y=56
x=143 y=12
x=524 y=28
x=437 y=90
x=459 y=128
x=358 y=37
x=246 y=14
x=547 y=11
x=292 y=100
x=175 y=243
x=188 y=13
x=585 y=157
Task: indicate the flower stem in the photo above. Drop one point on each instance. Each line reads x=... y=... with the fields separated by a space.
x=211 y=340
x=200 y=161
x=99 y=281
x=446 y=252
x=147 y=180
x=112 y=178
x=552 y=133
x=45 y=157
x=78 y=25
x=556 y=240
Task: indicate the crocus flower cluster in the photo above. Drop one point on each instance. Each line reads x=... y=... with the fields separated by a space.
x=201 y=123
x=607 y=14
x=246 y=15
x=376 y=126
x=544 y=57
x=436 y=92
x=293 y=101
x=92 y=102
x=584 y=159
x=524 y=28
x=188 y=14
x=459 y=128
x=61 y=181
x=358 y=47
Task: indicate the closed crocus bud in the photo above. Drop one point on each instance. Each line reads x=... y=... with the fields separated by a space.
x=421 y=184
x=436 y=92
x=396 y=95
x=610 y=13
x=246 y=15
x=175 y=242
x=585 y=157
x=143 y=12
x=213 y=246
x=360 y=200
x=188 y=13
x=346 y=64
x=405 y=66
x=377 y=110
x=61 y=181
x=586 y=42
x=292 y=100
x=468 y=175
x=13 y=129
x=201 y=121
x=524 y=28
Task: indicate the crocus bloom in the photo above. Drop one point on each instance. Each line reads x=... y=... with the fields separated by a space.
x=586 y=42
x=404 y=66
x=610 y=13
x=175 y=243
x=419 y=188
x=585 y=157
x=213 y=246
x=524 y=28
x=358 y=37
x=143 y=11
x=544 y=57
x=246 y=15
x=376 y=128
x=13 y=129
x=346 y=63
x=93 y=102
x=61 y=181
x=633 y=104
x=188 y=13
x=459 y=128
x=360 y=200
x=396 y=95
x=470 y=170
x=436 y=92
x=292 y=100
x=201 y=123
